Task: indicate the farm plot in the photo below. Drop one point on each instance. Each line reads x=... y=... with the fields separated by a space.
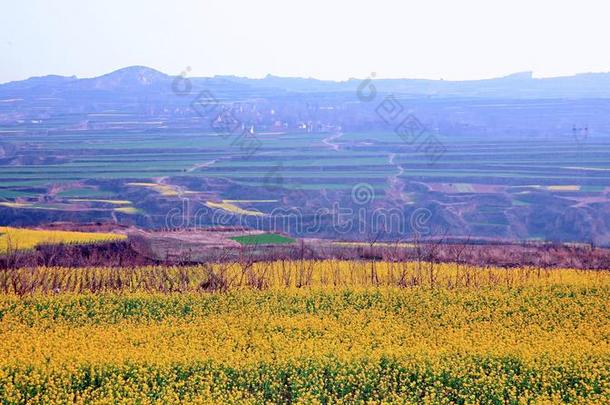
x=21 y=238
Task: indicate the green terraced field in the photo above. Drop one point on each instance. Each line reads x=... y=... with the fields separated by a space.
x=84 y=192
x=326 y=167
x=263 y=239
x=300 y=159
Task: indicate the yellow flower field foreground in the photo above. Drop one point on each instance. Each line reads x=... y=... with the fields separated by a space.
x=22 y=238
x=352 y=332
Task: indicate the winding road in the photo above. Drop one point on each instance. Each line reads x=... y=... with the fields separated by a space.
x=329 y=141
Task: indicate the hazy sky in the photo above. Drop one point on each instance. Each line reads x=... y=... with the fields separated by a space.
x=328 y=39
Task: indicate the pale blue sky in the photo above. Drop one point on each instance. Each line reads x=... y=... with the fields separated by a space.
x=315 y=38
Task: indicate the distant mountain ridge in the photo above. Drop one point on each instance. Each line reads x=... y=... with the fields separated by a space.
x=142 y=79
x=129 y=77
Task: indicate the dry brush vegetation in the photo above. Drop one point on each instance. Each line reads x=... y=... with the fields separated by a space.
x=282 y=274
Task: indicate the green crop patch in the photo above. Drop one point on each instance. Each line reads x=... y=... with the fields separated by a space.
x=263 y=239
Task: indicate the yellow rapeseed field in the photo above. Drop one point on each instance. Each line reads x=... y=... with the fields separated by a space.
x=305 y=332
x=128 y=210
x=231 y=207
x=564 y=188
x=22 y=238
x=97 y=200
x=163 y=189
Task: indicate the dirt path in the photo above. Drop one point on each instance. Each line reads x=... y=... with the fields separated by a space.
x=329 y=141
x=200 y=165
x=396 y=186
x=180 y=190
x=164 y=181
x=401 y=170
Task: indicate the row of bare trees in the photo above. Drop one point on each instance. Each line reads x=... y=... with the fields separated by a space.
x=425 y=253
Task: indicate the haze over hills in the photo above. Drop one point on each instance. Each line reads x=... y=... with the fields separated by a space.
x=516 y=104
x=144 y=79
